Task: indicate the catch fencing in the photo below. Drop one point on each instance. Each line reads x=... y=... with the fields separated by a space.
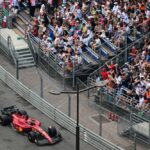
x=120 y=58
x=56 y=115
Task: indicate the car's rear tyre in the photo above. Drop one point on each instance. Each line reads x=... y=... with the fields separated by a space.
x=52 y=131
x=33 y=137
x=5 y=120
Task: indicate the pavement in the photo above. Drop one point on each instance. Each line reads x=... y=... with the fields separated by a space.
x=30 y=77
x=11 y=140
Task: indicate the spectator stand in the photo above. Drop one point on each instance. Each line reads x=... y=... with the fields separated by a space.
x=108 y=48
x=127 y=100
x=56 y=67
x=120 y=59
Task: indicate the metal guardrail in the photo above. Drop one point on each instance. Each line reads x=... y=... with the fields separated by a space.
x=7 y=47
x=55 y=114
x=51 y=59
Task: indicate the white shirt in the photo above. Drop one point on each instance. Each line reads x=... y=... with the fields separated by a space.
x=141 y=101
x=118 y=80
x=115 y=9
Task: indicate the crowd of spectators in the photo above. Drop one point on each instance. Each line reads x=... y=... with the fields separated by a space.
x=65 y=28
x=133 y=79
x=74 y=24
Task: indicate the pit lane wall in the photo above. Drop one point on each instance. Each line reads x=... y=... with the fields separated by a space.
x=56 y=115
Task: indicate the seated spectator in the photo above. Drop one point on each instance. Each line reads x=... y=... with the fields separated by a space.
x=42 y=29
x=133 y=54
x=147 y=95
x=35 y=30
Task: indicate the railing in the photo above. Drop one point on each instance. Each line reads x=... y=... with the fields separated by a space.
x=137 y=127
x=51 y=59
x=55 y=114
x=12 y=49
x=119 y=59
x=7 y=46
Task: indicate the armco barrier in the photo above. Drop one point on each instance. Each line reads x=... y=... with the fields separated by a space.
x=53 y=113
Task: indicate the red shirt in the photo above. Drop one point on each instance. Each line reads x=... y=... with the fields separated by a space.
x=104 y=75
x=112 y=67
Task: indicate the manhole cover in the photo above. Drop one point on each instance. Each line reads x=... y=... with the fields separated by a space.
x=97 y=119
x=1 y=92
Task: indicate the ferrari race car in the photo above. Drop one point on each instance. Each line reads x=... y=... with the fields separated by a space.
x=31 y=127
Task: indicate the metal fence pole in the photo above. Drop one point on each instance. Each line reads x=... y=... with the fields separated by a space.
x=131 y=124
x=126 y=47
x=64 y=65
x=73 y=75
x=100 y=114
x=56 y=66
x=135 y=144
x=149 y=129
x=48 y=64
x=17 y=69
x=69 y=105
x=77 y=125
x=41 y=87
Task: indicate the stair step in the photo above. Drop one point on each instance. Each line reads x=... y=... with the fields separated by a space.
x=26 y=62
x=26 y=65
x=24 y=55
x=22 y=50
x=25 y=58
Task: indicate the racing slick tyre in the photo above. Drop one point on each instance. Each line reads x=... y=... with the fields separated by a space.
x=5 y=120
x=33 y=137
x=52 y=131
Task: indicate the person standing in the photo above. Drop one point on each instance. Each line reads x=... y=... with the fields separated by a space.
x=55 y=2
x=32 y=7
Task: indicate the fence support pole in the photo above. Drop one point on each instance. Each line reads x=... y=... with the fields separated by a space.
x=135 y=141
x=149 y=129
x=64 y=66
x=69 y=105
x=48 y=64
x=17 y=69
x=100 y=114
x=77 y=125
x=126 y=47
x=41 y=80
x=73 y=75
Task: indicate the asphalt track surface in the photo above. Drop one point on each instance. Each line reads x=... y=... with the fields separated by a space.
x=11 y=140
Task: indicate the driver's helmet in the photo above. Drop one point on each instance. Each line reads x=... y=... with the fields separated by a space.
x=32 y=122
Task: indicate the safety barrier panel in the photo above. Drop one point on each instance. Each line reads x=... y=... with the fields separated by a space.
x=56 y=115
x=6 y=45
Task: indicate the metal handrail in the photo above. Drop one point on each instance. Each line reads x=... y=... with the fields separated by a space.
x=9 y=47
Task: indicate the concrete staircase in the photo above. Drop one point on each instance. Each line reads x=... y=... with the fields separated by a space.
x=25 y=58
x=18 y=48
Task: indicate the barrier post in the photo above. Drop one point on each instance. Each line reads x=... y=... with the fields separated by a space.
x=17 y=69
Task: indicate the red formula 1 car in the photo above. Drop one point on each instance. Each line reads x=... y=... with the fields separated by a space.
x=31 y=127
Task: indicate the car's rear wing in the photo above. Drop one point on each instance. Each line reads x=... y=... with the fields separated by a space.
x=10 y=109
